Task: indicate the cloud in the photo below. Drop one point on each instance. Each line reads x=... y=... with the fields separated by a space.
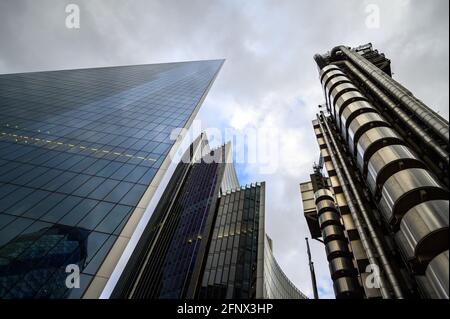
x=269 y=79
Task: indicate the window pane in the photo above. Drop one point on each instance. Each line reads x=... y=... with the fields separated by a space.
x=96 y=215
x=114 y=218
x=79 y=212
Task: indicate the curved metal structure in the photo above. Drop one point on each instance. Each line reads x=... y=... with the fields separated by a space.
x=341 y=266
x=410 y=198
x=435 y=122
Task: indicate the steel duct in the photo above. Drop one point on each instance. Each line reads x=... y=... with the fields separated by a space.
x=394 y=173
x=433 y=120
x=419 y=132
x=339 y=162
x=338 y=255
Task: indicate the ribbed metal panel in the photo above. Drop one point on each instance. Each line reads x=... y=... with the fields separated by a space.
x=322 y=194
x=329 y=218
x=411 y=198
x=408 y=188
x=327 y=69
x=337 y=248
x=332 y=232
x=345 y=100
x=418 y=132
x=325 y=205
x=333 y=83
x=341 y=89
x=424 y=231
x=341 y=267
x=352 y=111
x=360 y=125
x=371 y=141
x=438 y=124
x=328 y=76
x=386 y=162
x=438 y=276
x=346 y=288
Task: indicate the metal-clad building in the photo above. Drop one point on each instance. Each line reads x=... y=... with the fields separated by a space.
x=381 y=201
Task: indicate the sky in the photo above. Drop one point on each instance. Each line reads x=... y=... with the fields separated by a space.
x=269 y=81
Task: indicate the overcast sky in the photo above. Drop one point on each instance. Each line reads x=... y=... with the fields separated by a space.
x=269 y=79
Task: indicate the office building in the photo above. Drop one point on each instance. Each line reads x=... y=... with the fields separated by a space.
x=206 y=238
x=82 y=153
x=378 y=197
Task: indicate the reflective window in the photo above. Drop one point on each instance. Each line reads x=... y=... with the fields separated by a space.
x=78 y=149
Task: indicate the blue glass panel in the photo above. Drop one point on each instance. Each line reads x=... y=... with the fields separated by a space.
x=114 y=218
x=96 y=215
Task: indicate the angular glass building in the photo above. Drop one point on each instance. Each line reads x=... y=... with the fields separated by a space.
x=206 y=238
x=378 y=199
x=82 y=152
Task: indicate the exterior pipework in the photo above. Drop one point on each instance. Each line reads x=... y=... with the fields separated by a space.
x=338 y=254
x=407 y=185
x=377 y=243
x=424 y=231
x=420 y=133
x=385 y=162
x=422 y=111
x=358 y=223
x=438 y=275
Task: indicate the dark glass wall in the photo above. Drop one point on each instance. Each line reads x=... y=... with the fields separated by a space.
x=78 y=149
x=206 y=238
x=167 y=257
x=230 y=270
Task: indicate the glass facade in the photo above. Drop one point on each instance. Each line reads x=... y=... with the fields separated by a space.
x=205 y=239
x=78 y=149
x=276 y=284
x=231 y=264
x=178 y=228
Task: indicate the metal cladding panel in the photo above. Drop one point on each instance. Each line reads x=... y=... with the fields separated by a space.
x=345 y=99
x=360 y=125
x=435 y=122
x=327 y=69
x=408 y=188
x=352 y=111
x=330 y=75
x=373 y=140
x=388 y=161
x=346 y=288
x=424 y=230
x=325 y=205
x=438 y=274
x=329 y=218
x=341 y=89
x=332 y=232
x=323 y=194
x=337 y=248
x=341 y=267
x=335 y=82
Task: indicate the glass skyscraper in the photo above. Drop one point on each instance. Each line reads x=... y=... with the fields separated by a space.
x=206 y=238
x=81 y=155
